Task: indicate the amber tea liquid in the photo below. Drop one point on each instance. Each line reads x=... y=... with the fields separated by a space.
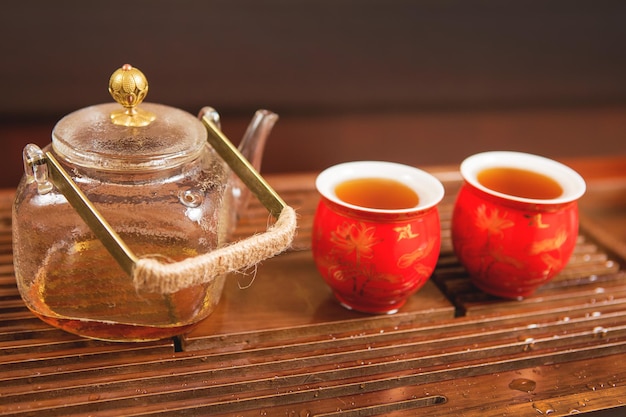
x=95 y=298
x=377 y=193
x=520 y=183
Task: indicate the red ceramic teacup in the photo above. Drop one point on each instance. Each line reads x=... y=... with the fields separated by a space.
x=376 y=233
x=515 y=221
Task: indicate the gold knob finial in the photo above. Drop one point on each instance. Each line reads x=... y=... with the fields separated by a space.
x=128 y=86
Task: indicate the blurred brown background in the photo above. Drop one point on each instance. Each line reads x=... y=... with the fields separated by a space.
x=418 y=82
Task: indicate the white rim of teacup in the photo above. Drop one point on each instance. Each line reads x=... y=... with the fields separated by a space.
x=428 y=188
x=571 y=182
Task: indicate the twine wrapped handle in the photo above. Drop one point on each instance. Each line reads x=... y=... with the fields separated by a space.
x=152 y=275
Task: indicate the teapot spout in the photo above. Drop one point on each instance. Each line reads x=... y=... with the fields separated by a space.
x=251 y=147
x=253 y=141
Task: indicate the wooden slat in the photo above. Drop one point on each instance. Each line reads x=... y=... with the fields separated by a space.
x=302 y=374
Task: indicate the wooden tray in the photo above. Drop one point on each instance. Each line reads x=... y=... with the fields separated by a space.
x=279 y=344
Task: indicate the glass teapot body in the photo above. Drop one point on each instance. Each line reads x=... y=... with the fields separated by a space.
x=162 y=201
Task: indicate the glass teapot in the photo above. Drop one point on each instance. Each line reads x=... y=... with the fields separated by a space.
x=120 y=224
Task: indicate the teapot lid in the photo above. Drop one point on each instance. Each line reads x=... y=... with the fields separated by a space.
x=107 y=137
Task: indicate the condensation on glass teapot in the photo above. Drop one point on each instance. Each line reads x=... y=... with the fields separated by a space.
x=152 y=175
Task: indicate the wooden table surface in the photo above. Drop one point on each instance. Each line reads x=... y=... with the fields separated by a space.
x=279 y=345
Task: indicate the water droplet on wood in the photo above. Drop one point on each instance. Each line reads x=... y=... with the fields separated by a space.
x=523 y=384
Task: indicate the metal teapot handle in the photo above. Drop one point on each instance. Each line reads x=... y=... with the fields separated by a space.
x=278 y=238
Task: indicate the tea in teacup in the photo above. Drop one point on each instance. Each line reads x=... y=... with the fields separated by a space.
x=377 y=193
x=520 y=182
